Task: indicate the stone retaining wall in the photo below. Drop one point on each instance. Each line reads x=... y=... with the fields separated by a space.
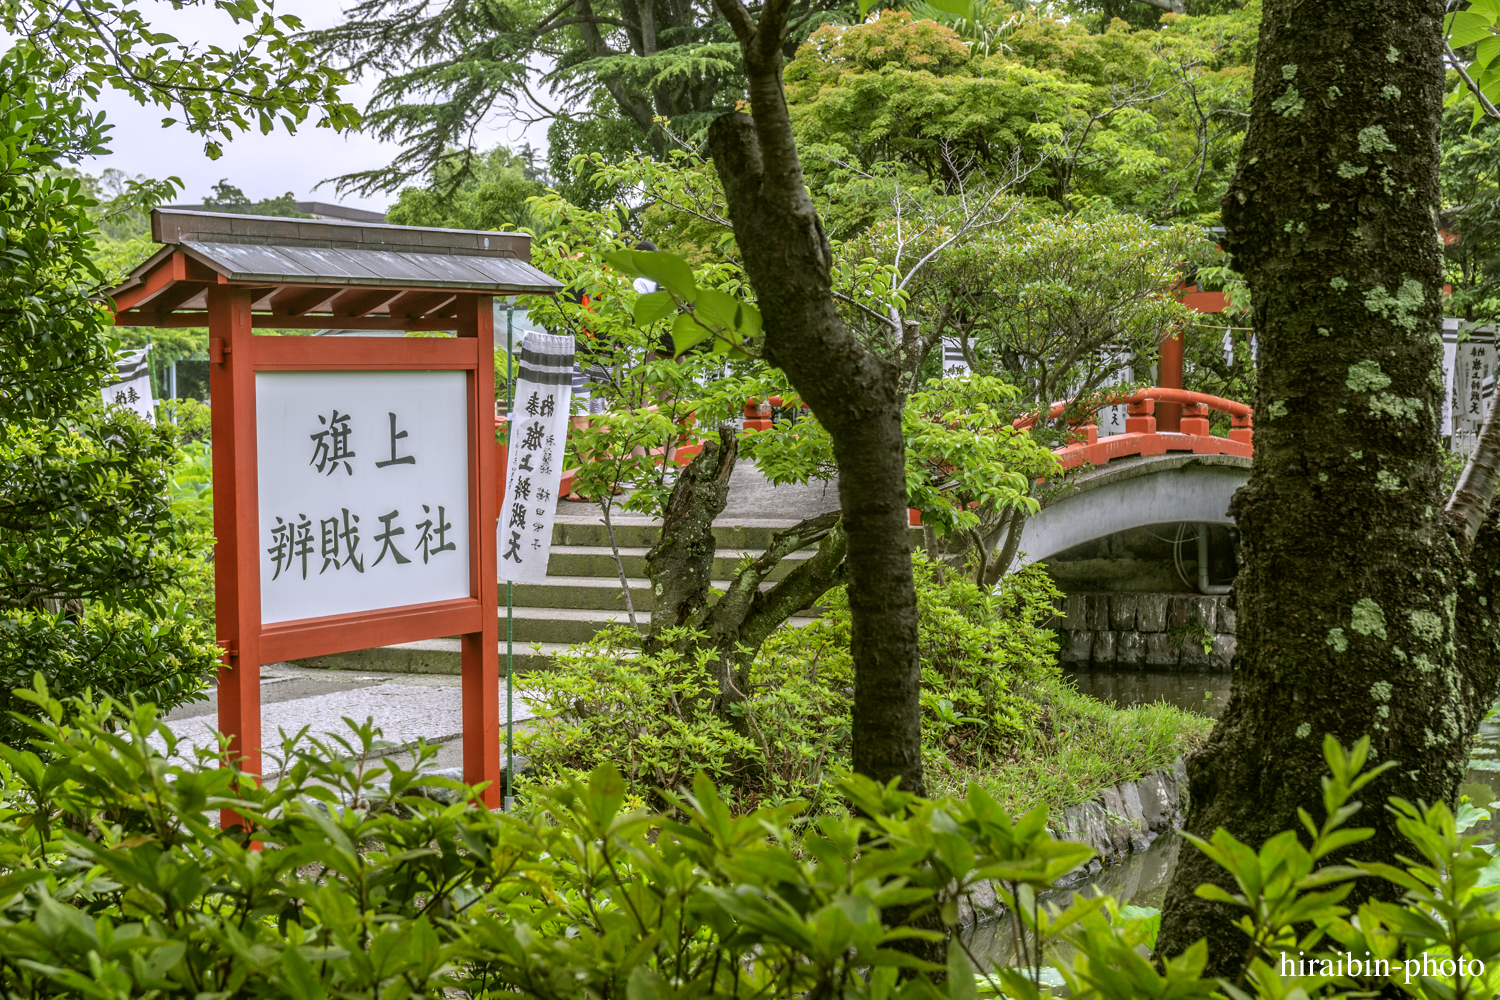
x=1121 y=820
x=1145 y=631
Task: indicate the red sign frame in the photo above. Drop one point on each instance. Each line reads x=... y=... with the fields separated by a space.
x=236 y=353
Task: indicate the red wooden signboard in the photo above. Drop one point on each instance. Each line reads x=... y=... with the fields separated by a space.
x=240 y=273
x=235 y=358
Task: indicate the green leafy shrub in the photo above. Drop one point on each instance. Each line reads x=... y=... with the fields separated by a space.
x=162 y=658
x=989 y=678
x=647 y=714
x=374 y=880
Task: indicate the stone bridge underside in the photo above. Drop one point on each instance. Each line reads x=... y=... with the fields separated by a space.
x=1134 y=493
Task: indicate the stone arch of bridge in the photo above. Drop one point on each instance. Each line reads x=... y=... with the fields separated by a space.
x=1133 y=493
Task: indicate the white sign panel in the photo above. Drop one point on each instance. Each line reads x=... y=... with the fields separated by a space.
x=132 y=389
x=364 y=490
x=1474 y=364
x=534 y=462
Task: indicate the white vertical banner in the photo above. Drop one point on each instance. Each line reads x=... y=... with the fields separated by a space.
x=534 y=464
x=132 y=386
x=1474 y=364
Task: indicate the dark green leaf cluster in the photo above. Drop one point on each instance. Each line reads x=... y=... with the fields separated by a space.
x=370 y=879
x=53 y=352
x=618 y=76
x=85 y=514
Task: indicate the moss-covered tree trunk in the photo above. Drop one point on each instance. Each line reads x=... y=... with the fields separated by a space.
x=680 y=566
x=1363 y=603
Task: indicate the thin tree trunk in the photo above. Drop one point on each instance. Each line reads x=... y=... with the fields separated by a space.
x=614 y=548
x=855 y=395
x=680 y=564
x=1007 y=554
x=1359 y=610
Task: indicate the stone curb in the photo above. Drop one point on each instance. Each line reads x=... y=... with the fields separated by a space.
x=1120 y=820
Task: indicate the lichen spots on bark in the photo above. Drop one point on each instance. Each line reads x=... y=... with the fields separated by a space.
x=1366 y=618
x=1344 y=509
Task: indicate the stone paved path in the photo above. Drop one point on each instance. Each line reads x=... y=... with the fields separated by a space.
x=406 y=707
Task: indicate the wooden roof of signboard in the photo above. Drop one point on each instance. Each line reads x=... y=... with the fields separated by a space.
x=319 y=273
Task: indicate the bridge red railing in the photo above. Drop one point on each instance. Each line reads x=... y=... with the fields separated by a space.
x=1141 y=436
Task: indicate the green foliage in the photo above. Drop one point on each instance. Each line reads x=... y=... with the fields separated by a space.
x=270 y=79
x=730 y=325
x=644 y=713
x=1147 y=121
x=1477 y=25
x=1059 y=305
x=651 y=714
x=376 y=880
x=84 y=514
x=980 y=647
x=161 y=657
x=492 y=194
x=967 y=468
x=102 y=561
x=610 y=74
x=1470 y=175
x=53 y=350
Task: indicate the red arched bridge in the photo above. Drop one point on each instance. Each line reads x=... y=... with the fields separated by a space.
x=1147 y=475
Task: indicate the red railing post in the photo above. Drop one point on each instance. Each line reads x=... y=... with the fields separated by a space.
x=1242 y=429
x=757 y=415
x=1140 y=417
x=1169 y=375
x=1194 y=419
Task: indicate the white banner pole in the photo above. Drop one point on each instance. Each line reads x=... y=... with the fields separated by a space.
x=510 y=587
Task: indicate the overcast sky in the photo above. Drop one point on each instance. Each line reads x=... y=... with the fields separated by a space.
x=263 y=166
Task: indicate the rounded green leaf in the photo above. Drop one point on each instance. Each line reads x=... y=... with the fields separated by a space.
x=667 y=270
x=686 y=332
x=652 y=306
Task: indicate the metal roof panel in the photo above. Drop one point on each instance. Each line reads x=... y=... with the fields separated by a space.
x=355 y=268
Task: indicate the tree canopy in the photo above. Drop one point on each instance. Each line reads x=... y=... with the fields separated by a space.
x=96 y=540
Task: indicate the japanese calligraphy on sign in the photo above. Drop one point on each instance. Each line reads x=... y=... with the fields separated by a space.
x=363 y=490
x=538 y=435
x=132 y=386
x=1473 y=380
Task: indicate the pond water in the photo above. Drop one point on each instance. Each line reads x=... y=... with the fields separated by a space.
x=1141 y=878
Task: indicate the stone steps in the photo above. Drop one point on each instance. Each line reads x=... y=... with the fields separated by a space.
x=596 y=560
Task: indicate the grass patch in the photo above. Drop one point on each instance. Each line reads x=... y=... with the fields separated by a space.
x=1072 y=748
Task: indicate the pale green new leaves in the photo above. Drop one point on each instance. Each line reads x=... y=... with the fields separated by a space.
x=1480 y=24
x=703 y=313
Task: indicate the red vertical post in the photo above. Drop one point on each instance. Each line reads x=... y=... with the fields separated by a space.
x=480 y=662
x=236 y=525
x=1169 y=376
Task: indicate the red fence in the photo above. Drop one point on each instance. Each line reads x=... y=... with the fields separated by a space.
x=1141 y=436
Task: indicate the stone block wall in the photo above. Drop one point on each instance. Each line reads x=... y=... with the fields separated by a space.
x=1145 y=631
x=1119 y=821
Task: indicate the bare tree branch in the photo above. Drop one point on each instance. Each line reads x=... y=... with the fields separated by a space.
x=1470 y=502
